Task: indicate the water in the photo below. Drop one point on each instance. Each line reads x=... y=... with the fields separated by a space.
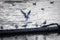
x=54 y=36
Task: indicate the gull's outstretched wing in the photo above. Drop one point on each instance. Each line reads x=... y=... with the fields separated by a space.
x=23 y=13
x=29 y=13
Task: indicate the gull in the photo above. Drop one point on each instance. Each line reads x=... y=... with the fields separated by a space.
x=26 y=15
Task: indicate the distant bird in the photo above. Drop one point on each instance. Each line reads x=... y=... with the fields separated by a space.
x=16 y=26
x=42 y=9
x=36 y=25
x=34 y=3
x=52 y=2
x=26 y=16
x=1 y=27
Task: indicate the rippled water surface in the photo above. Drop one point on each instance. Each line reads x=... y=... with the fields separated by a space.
x=32 y=37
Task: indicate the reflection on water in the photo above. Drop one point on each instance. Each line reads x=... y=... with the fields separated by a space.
x=33 y=37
